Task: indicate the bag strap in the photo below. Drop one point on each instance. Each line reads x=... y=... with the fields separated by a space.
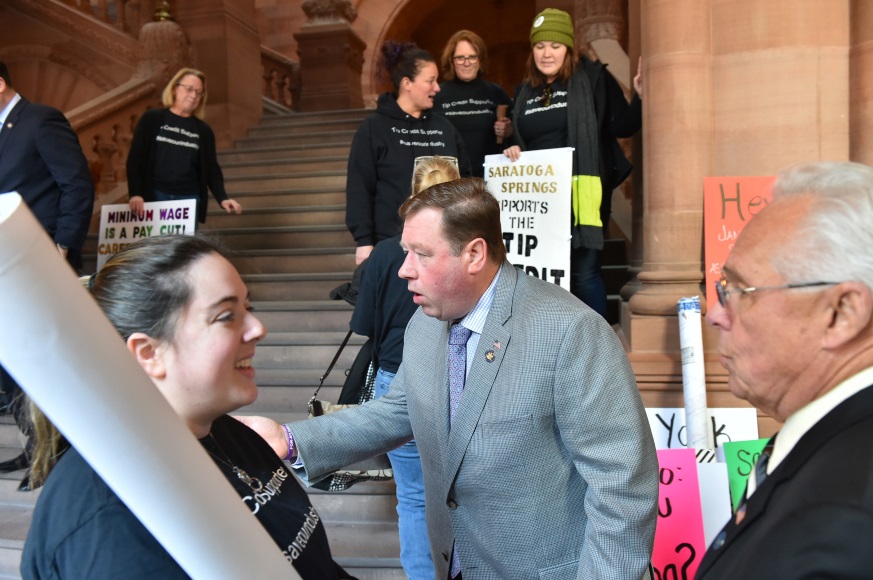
x=332 y=363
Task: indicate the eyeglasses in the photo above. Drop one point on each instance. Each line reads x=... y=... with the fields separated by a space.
x=721 y=289
x=547 y=96
x=472 y=59
x=191 y=89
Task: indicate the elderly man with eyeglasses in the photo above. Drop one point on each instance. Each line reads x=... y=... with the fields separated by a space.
x=795 y=321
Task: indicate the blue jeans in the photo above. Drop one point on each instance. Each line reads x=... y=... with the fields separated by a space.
x=586 y=279
x=414 y=542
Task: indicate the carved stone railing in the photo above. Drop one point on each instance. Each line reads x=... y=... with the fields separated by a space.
x=281 y=78
x=126 y=15
x=105 y=125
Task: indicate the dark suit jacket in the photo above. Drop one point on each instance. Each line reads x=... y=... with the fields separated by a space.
x=41 y=159
x=813 y=516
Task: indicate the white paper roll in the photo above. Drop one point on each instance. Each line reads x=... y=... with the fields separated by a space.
x=693 y=373
x=66 y=355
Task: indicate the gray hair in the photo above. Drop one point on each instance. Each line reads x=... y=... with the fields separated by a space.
x=834 y=243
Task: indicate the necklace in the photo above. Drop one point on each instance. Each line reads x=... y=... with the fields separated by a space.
x=253 y=482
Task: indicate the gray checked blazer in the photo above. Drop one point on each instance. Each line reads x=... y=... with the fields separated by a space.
x=549 y=470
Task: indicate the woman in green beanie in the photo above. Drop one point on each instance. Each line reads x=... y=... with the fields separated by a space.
x=567 y=100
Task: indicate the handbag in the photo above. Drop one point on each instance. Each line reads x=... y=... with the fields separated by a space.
x=358 y=388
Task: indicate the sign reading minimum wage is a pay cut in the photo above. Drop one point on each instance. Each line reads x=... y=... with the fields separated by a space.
x=120 y=227
x=534 y=197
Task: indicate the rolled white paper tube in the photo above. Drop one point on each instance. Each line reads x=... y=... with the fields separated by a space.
x=693 y=373
x=69 y=359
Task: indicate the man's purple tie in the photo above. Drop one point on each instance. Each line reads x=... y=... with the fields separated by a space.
x=457 y=375
x=457 y=365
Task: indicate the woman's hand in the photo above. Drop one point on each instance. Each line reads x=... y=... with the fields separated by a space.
x=137 y=205
x=362 y=253
x=231 y=206
x=514 y=152
x=269 y=430
x=503 y=128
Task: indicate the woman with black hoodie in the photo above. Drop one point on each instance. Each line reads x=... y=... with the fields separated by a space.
x=385 y=147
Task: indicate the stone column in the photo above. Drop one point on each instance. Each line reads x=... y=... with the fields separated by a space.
x=677 y=116
x=860 y=82
x=226 y=46
x=331 y=57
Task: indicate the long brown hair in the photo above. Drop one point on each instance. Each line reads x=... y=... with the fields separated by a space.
x=536 y=78
x=447 y=60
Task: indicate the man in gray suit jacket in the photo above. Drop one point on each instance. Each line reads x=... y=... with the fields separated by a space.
x=547 y=468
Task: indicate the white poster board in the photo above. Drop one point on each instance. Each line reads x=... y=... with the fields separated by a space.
x=725 y=424
x=534 y=195
x=119 y=226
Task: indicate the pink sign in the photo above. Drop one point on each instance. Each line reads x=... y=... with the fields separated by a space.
x=679 y=538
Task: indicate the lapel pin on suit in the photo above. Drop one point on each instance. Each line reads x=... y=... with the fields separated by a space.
x=489 y=356
x=497 y=344
x=9 y=125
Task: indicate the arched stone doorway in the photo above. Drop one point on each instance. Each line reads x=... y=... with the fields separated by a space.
x=503 y=24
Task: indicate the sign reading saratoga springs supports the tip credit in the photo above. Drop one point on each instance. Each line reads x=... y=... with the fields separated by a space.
x=534 y=197
x=120 y=227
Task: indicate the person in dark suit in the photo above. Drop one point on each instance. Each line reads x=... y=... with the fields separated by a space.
x=41 y=159
x=537 y=457
x=795 y=321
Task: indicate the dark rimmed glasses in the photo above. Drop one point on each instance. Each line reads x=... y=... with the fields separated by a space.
x=721 y=289
x=472 y=59
x=191 y=89
x=547 y=95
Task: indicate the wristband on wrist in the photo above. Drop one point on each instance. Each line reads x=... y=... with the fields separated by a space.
x=290 y=442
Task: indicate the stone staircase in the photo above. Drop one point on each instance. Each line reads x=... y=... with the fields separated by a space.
x=292 y=247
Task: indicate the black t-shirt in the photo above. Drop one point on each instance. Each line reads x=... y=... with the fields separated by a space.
x=472 y=108
x=177 y=155
x=81 y=528
x=384 y=304
x=541 y=126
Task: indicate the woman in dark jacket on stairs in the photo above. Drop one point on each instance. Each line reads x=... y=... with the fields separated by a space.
x=386 y=145
x=567 y=100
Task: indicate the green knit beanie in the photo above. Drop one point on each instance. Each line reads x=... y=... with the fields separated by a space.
x=552 y=25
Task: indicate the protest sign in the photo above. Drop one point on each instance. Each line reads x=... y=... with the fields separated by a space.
x=119 y=226
x=679 y=538
x=715 y=498
x=534 y=197
x=740 y=457
x=728 y=205
x=726 y=424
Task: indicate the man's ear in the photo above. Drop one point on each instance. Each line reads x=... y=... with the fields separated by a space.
x=148 y=353
x=477 y=255
x=851 y=305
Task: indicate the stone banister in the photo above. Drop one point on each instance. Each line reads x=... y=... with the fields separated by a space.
x=281 y=78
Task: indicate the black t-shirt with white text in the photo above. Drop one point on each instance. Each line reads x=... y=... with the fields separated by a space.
x=82 y=529
x=177 y=156
x=541 y=126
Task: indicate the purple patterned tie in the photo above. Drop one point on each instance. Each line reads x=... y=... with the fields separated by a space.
x=457 y=375
x=457 y=365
